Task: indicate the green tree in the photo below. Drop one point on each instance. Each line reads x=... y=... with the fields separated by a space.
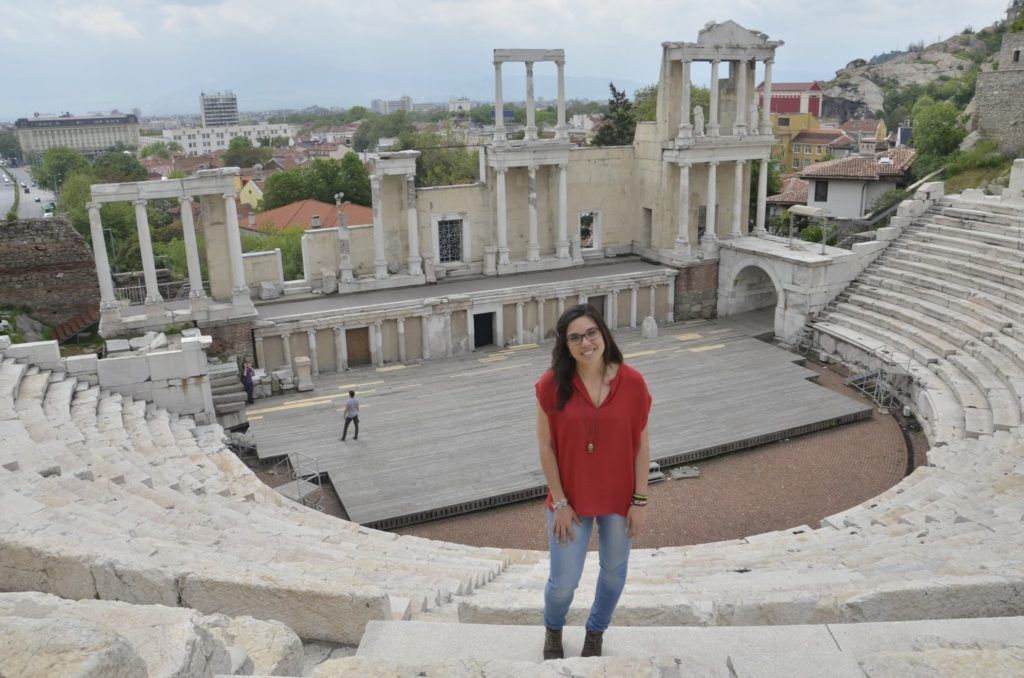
x=120 y=166
x=241 y=153
x=282 y=188
x=620 y=124
x=376 y=127
x=9 y=147
x=355 y=180
x=159 y=149
x=774 y=183
x=442 y=161
x=56 y=164
x=288 y=240
x=937 y=133
x=645 y=103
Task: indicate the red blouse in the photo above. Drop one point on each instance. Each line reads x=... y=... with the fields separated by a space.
x=601 y=482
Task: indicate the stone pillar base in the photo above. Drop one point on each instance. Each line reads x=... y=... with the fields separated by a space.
x=503 y=256
x=380 y=269
x=415 y=266
x=562 y=249
x=709 y=243
x=490 y=260
x=533 y=252
x=682 y=247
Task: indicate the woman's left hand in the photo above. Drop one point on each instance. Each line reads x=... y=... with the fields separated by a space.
x=635 y=519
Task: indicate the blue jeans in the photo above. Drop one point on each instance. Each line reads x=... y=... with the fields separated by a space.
x=567 y=565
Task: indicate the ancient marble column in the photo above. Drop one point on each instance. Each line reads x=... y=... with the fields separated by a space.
x=533 y=247
x=762 y=197
x=685 y=127
x=344 y=244
x=188 y=230
x=561 y=306
x=540 y=320
x=415 y=267
x=683 y=223
x=376 y=343
x=531 y=115
x=670 y=312
x=766 y=115
x=261 y=360
x=286 y=348
x=481 y=159
x=449 y=342
x=653 y=301
x=424 y=338
x=710 y=240
x=613 y=315
x=739 y=128
x=401 y=339
x=519 y=323
x=314 y=358
x=561 y=129
x=499 y=109
x=499 y=326
x=340 y=348
x=737 y=201
x=238 y=284
x=562 y=245
x=470 y=329
x=146 y=252
x=99 y=253
x=380 y=262
x=502 y=218
x=713 y=104
x=632 y=305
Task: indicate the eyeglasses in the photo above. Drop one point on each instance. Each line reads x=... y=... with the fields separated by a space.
x=590 y=335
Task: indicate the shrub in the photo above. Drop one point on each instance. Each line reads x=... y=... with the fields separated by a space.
x=984 y=155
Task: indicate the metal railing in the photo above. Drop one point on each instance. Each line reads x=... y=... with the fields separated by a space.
x=135 y=295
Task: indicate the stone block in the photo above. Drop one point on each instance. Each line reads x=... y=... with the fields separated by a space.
x=158 y=342
x=118 y=346
x=191 y=332
x=273 y=648
x=303 y=374
x=81 y=364
x=650 y=328
x=1017 y=176
x=330 y=281
x=142 y=342
x=270 y=290
x=38 y=352
x=36 y=647
x=124 y=370
x=5 y=342
x=283 y=375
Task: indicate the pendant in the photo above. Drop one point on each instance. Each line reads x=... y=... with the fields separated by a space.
x=590 y=448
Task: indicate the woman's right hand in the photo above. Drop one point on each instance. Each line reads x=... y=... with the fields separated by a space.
x=564 y=521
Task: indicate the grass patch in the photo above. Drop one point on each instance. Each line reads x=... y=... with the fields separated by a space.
x=973 y=178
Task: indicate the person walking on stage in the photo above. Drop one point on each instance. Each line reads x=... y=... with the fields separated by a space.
x=592 y=433
x=351 y=415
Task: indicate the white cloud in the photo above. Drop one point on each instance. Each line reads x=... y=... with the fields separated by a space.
x=107 y=22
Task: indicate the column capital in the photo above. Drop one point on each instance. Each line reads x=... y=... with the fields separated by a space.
x=375 y=179
x=560 y=63
x=713 y=163
x=378 y=323
x=411 y=176
x=529 y=67
x=497 y=65
x=285 y=335
x=769 y=61
x=93 y=205
x=140 y=201
x=531 y=168
x=311 y=332
x=228 y=196
x=186 y=199
x=685 y=164
x=519 y=304
x=338 y=330
x=501 y=170
x=715 y=62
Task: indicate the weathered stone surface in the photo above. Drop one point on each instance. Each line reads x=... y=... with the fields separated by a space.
x=945 y=662
x=650 y=328
x=273 y=648
x=577 y=667
x=938 y=598
x=303 y=374
x=31 y=648
x=269 y=290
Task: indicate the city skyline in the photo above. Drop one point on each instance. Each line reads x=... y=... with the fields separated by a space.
x=158 y=57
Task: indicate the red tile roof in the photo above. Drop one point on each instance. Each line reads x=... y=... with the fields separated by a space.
x=299 y=214
x=794 y=192
x=817 y=136
x=792 y=87
x=889 y=164
x=869 y=126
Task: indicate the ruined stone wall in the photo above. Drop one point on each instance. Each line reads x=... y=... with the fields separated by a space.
x=230 y=338
x=998 y=97
x=47 y=266
x=697 y=291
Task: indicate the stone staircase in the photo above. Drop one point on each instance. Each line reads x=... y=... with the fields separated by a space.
x=109 y=498
x=228 y=394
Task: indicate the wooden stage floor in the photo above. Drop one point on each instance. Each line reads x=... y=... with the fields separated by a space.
x=449 y=436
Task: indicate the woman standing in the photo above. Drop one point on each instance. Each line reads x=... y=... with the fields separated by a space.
x=592 y=433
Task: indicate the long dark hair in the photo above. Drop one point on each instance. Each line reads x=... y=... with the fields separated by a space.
x=563 y=365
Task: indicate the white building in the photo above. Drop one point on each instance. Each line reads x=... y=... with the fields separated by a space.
x=200 y=140
x=88 y=134
x=461 y=105
x=848 y=187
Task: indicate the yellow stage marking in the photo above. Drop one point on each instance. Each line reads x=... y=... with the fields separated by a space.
x=473 y=373
x=520 y=347
x=693 y=322
x=254 y=418
x=407 y=386
x=296 y=405
x=722 y=330
x=637 y=354
x=709 y=347
x=689 y=336
x=492 y=359
x=391 y=368
x=350 y=387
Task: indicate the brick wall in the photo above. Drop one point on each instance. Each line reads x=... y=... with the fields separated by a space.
x=697 y=291
x=1000 y=115
x=46 y=266
x=231 y=338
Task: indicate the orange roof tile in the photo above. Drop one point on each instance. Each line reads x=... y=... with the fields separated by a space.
x=794 y=192
x=889 y=164
x=300 y=213
x=869 y=126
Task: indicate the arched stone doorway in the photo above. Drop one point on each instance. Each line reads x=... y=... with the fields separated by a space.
x=752 y=287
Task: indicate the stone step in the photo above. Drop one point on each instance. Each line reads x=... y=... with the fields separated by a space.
x=972 y=224
x=1011 y=242
x=918 y=234
x=740 y=651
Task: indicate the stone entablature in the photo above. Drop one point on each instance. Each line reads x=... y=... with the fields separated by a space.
x=229 y=292
x=442 y=326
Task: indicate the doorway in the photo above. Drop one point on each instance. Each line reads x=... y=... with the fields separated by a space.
x=483 y=329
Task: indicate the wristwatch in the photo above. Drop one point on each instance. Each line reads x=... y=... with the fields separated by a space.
x=559 y=505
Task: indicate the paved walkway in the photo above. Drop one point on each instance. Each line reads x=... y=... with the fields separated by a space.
x=456 y=433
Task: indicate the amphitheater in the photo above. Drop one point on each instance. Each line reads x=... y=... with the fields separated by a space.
x=133 y=542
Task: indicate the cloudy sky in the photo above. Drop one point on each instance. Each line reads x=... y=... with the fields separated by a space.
x=158 y=55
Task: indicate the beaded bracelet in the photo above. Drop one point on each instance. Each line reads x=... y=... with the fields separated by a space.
x=638 y=502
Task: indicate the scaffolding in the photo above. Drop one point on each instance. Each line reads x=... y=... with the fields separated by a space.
x=306 y=485
x=878 y=380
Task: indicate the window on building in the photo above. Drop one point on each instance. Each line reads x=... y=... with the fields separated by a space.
x=587 y=230
x=820 y=191
x=807 y=149
x=807 y=162
x=796 y=163
x=702 y=221
x=796 y=148
x=817 y=150
x=449 y=240
x=783 y=122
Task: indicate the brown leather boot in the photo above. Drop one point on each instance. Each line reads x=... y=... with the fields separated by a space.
x=553 y=644
x=592 y=644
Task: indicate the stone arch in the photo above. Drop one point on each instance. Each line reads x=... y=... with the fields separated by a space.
x=748 y=285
